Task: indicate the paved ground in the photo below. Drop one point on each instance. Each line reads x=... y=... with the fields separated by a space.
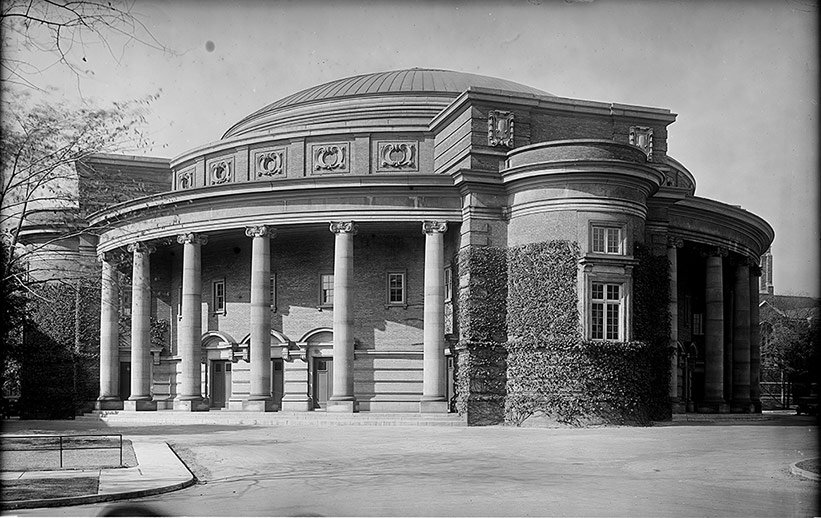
x=690 y=469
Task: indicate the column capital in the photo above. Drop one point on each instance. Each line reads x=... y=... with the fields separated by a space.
x=192 y=238
x=343 y=227
x=260 y=231
x=434 y=226
x=674 y=242
x=715 y=251
x=113 y=257
x=141 y=247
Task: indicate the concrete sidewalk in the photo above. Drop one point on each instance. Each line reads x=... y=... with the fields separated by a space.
x=158 y=470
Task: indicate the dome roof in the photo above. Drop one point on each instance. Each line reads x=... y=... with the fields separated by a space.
x=408 y=81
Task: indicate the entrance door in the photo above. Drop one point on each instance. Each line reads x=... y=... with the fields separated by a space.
x=323 y=381
x=277 y=381
x=125 y=380
x=220 y=383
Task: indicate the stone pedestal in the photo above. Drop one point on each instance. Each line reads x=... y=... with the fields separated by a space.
x=261 y=405
x=433 y=407
x=341 y=406
x=191 y=405
x=113 y=403
x=139 y=405
x=295 y=396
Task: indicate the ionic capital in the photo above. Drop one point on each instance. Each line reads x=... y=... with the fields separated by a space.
x=433 y=226
x=112 y=257
x=715 y=251
x=343 y=227
x=674 y=242
x=260 y=231
x=141 y=247
x=192 y=238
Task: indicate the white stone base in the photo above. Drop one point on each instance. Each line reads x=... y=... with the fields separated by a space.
x=433 y=407
x=108 y=404
x=194 y=405
x=263 y=405
x=297 y=405
x=341 y=406
x=139 y=405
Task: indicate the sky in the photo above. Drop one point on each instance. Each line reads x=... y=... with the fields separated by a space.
x=741 y=75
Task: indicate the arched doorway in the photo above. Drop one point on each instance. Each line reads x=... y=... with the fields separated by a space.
x=319 y=344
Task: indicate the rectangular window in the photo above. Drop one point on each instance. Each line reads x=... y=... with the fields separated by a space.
x=605 y=315
x=396 y=288
x=274 y=291
x=218 y=296
x=698 y=324
x=326 y=289
x=606 y=240
x=448 y=284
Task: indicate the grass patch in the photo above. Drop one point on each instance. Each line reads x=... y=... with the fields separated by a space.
x=810 y=465
x=44 y=455
x=43 y=488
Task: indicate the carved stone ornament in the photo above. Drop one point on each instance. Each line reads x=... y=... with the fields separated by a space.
x=343 y=227
x=192 y=238
x=397 y=155
x=113 y=257
x=642 y=137
x=430 y=226
x=500 y=128
x=674 y=242
x=330 y=157
x=270 y=163
x=143 y=248
x=260 y=231
x=221 y=171
x=185 y=179
x=715 y=251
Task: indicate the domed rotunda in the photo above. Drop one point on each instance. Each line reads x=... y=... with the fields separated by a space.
x=429 y=241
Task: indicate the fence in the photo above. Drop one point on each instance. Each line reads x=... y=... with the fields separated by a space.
x=61 y=443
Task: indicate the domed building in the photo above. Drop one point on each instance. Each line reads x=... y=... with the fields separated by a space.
x=358 y=247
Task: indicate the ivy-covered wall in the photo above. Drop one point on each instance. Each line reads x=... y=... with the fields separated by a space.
x=59 y=364
x=553 y=373
x=480 y=363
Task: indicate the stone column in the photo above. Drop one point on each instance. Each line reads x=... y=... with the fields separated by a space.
x=189 y=338
x=343 y=399
x=110 y=398
x=714 y=336
x=260 y=399
x=673 y=244
x=741 y=339
x=141 y=329
x=434 y=388
x=755 y=341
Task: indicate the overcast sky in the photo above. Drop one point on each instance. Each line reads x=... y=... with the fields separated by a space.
x=741 y=75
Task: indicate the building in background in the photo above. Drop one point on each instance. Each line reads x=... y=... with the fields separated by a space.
x=318 y=256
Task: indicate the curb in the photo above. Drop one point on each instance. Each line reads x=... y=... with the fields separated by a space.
x=795 y=470
x=109 y=497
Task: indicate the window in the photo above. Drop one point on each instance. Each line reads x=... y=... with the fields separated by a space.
x=448 y=284
x=274 y=291
x=606 y=240
x=218 y=296
x=605 y=315
x=396 y=288
x=326 y=289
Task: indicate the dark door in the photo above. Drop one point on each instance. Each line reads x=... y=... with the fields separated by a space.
x=277 y=381
x=220 y=383
x=125 y=380
x=323 y=381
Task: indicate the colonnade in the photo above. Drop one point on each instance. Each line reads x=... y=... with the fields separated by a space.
x=189 y=396
x=731 y=363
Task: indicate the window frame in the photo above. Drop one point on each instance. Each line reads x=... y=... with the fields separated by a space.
x=608 y=228
x=322 y=303
x=216 y=309
x=273 y=288
x=606 y=303
x=448 y=283
x=388 y=288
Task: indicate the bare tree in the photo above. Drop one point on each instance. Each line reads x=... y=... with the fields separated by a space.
x=58 y=32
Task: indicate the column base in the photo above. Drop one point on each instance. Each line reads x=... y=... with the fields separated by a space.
x=108 y=404
x=712 y=407
x=297 y=405
x=742 y=407
x=433 y=407
x=756 y=406
x=139 y=405
x=260 y=405
x=191 y=405
x=235 y=404
x=679 y=407
x=342 y=406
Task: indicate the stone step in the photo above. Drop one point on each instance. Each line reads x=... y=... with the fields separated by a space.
x=224 y=417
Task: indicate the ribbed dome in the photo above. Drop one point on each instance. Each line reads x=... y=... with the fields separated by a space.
x=409 y=81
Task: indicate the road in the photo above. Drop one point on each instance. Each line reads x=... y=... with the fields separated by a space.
x=675 y=470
